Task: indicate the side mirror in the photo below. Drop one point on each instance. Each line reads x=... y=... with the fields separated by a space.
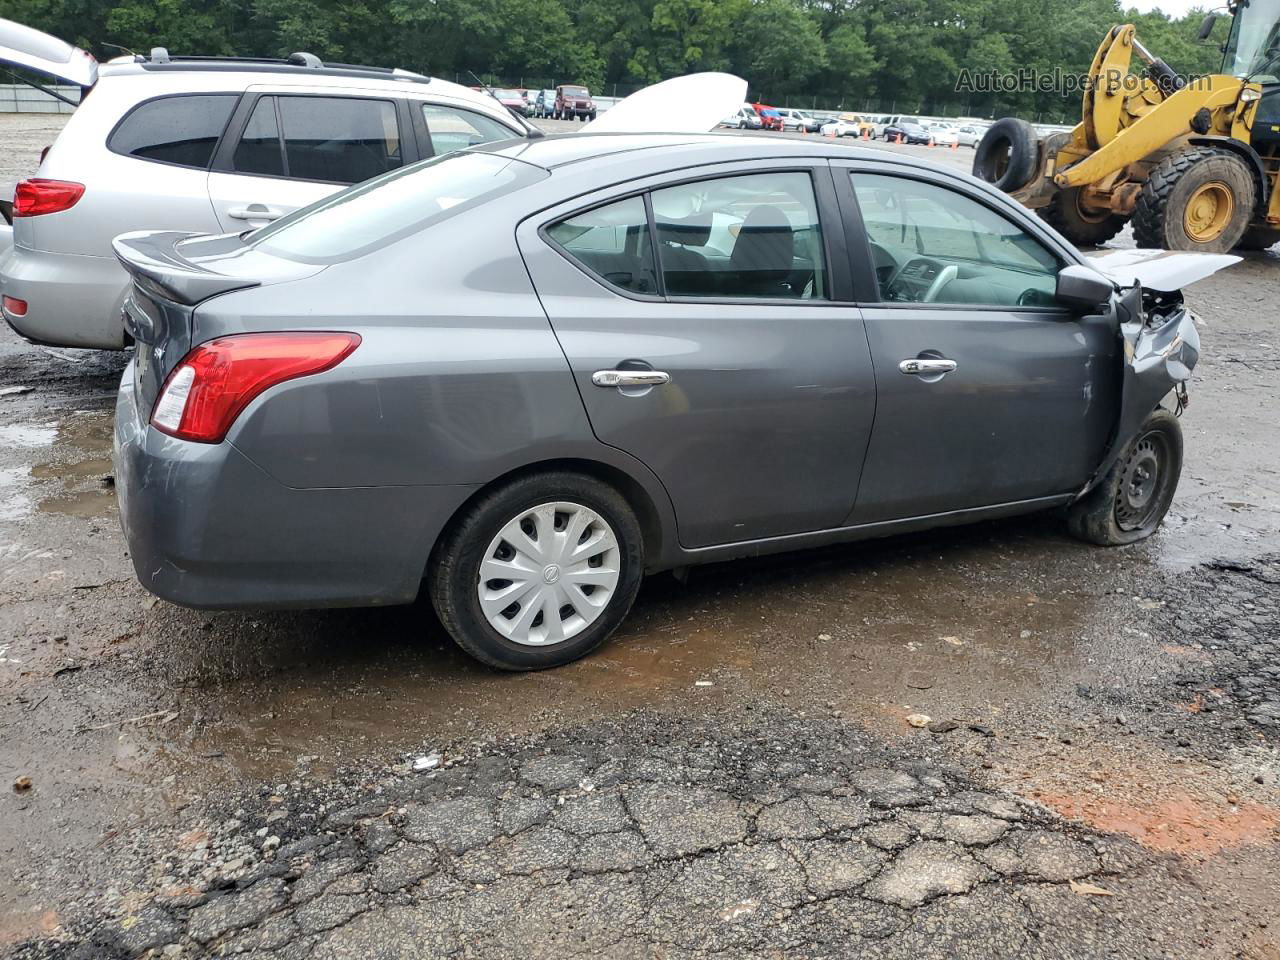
x=1083 y=286
x=1206 y=26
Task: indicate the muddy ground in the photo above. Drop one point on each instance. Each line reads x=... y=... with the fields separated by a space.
x=732 y=775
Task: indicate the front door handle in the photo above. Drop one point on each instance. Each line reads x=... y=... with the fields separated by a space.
x=630 y=378
x=926 y=367
x=255 y=211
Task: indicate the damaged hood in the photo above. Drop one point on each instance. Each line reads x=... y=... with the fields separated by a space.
x=695 y=103
x=1162 y=270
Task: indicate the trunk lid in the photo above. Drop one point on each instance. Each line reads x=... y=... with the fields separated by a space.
x=173 y=273
x=690 y=104
x=30 y=49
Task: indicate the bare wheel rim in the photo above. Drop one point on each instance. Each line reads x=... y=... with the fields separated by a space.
x=1142 y=483
x=1209 y=211
x=549 y=573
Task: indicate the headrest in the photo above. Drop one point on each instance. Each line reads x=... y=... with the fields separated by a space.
x=691 y=231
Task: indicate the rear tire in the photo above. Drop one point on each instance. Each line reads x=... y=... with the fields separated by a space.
x=1200 y=199
x=1259 y=238
x=1078 y=224
x=1008 y=154
x=1131 y=500
x=525 y=527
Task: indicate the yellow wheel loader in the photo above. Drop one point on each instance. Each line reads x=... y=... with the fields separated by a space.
x=1194 y=163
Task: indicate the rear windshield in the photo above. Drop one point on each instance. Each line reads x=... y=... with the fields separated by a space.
x=381 y=211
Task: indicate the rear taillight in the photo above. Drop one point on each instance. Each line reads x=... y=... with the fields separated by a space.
x=34 y=197
x=213 y=384
x=13 y=306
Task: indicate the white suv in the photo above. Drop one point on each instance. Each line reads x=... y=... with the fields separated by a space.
x=206 y=145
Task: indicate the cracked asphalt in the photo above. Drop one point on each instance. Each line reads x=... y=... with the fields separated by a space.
x=733 y=775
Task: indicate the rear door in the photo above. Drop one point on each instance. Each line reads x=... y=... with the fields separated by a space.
x=990 y=392
x=288 y=149
x=711 y=340
x=22 y=46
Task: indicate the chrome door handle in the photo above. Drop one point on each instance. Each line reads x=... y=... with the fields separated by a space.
x=925 y=367
x=255 y=211
x=630 y=378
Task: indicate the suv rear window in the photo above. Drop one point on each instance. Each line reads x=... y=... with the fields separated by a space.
x=182 y=130
x=371 y=215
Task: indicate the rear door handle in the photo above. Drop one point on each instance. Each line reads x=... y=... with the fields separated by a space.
x=255 y=211
x=630 y=378
x=924 y=367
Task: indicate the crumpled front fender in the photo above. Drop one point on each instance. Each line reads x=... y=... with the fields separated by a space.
x=1160 y=351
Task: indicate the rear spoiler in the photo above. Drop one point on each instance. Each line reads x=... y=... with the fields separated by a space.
x=152 y=258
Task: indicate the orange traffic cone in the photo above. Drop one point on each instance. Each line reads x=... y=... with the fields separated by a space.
x=931 y=141
x=955 y=144
x=865 y=131
x=899 y=140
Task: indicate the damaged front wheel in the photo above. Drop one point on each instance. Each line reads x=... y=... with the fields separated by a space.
x=1131 y=500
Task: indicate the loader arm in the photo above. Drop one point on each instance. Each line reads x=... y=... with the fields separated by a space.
x=1168 y=121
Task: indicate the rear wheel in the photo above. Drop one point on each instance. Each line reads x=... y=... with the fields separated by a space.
x=1200 y=199
x=1259 y=238
x=539 y=572
x=1131 y=500
x=1078 y=222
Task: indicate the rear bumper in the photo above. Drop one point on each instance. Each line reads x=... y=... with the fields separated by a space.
x=208 y=528
x=72 y=301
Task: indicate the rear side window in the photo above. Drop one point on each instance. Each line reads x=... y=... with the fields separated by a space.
x=453 y=129
x=259 y=150
x=612 y=242
x=339 y=139
x=180 y=130
x=372 y=215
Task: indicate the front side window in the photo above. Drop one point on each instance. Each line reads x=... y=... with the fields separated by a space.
x=931 y=244
x=747 y=236
x=339 y=139
x=611 y=242
x=181 y=130
x=453 y=129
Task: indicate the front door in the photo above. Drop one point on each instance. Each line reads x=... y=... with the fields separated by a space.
x=989 y=391
x=701 y=328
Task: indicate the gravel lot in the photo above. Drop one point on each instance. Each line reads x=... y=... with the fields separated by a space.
x=732 y=776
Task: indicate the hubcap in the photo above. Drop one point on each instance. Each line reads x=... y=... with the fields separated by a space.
x=549 y=573
x=1209 y=211
x=1139 y=495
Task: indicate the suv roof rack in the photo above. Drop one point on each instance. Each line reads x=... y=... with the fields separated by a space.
x=160 y=59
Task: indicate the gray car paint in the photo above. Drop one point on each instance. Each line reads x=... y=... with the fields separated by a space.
x=462 y=380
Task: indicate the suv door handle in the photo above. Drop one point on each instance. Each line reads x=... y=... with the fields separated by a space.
x=924 y=367
x=630 y=378
x=255 y=211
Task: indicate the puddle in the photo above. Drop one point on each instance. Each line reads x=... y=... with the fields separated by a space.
x=26 y=435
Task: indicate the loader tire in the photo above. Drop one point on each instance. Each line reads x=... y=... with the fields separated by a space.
x=1259 y=238
x=1007 y=156
x=1201 y=199
x=1079 y=224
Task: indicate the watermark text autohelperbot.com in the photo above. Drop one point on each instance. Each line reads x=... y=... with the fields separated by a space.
x=1031 y=80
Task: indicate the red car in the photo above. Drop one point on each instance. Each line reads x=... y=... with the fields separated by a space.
x=770 y=118
x=573 y=102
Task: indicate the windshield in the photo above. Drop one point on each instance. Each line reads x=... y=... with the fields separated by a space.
x=1254 y=40
x=385 y=209
x=575 y=91
x=770 y=113
x=510 y=95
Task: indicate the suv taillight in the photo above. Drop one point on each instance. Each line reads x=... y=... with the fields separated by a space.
x=36 y=196
x=204 y=394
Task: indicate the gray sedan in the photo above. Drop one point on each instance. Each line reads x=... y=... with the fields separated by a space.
x=524 y=375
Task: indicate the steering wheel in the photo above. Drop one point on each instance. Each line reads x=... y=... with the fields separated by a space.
x=945 y=276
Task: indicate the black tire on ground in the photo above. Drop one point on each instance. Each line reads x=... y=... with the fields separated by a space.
x=1160 y=215
x=1131 y=500
x=454 y=571
x=1007 y=155
x=1259 y=238
x=1078 y=224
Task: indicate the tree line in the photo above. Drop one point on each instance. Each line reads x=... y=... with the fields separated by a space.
x=900 y=55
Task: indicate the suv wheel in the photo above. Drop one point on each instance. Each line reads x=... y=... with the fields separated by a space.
x=539 y=572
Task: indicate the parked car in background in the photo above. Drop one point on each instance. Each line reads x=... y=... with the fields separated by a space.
x=205 y=145
x=908 y=128
x=511 y=99
x=943 y=134
x=770 y=118
x=969 y=135
x=302 y=424
x=544 y=104
x=798 y=120
x=745 y=119
x=848 y=125
x=573 y=102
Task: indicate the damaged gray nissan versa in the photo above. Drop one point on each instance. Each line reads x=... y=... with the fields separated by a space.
x=526 y=374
